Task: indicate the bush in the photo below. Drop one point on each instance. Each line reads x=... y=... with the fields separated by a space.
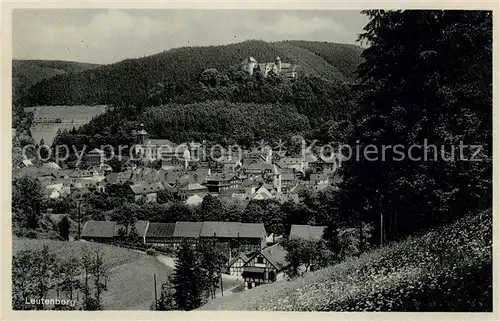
x=151 y=252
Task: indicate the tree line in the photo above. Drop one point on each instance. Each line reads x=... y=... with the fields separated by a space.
x=82 y=279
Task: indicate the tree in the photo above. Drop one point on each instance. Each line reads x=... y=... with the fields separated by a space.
x=94 y=267
x=34 y=271
x=187 y=279
x=294 y=253
x=166 y=302
x=26 y=200
x=435 y=90
x=64 y=226
x=212 y=259
x=133 y=236
x=69 y=270
x=253 y=213
x=166 y=196
x=211 y=209
x=304 y=255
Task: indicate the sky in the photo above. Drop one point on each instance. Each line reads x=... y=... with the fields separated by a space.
x=107 y=36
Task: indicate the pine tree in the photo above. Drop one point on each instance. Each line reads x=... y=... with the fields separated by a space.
x=64 y=226
x=435 y=87
x=187 y=279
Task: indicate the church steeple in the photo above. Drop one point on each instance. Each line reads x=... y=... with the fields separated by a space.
x=142 y=135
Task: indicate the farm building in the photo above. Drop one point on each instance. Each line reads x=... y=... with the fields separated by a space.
x=189 y=231
x=160 y=233
x=306 y=232
x=99 y=231
x=265 y=266
x=247 y=236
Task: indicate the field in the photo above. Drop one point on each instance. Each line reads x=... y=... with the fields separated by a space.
x=44 y=126
x=453 y=263
x=131 y=282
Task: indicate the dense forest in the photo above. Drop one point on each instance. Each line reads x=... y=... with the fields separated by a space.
x=26 y=73
x=129 y=81
x=235 y=107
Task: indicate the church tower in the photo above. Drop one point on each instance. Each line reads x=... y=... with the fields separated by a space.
x=142 y=134
x=278 y=64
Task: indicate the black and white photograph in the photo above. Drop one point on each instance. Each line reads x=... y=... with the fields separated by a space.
x=168 y=159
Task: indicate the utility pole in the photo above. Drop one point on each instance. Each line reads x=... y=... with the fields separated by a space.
x=79 y=219
x=381 y=228
x=156 y=299
x=221 y=287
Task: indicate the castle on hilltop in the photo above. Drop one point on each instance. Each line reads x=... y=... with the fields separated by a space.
x=251 y=66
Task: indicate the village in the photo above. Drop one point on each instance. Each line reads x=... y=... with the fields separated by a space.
x=258 y=174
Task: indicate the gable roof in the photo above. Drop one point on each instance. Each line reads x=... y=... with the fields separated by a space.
x=221 y=177
x=232 y=229
x=306 y=232
x=252 y=230
x=160 y=230
x=276 y=255
x=146 y=188
x=242 y=256
x=187 y=229
x=220 y=229
x=104 y=229
x=159 y=142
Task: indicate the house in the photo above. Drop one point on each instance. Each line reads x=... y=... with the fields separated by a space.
x=222 y=182
x=95 y=157
x=265 y=266
x=160 y=234
x=229 y=163
x=235 y=266
x=262 y=193
x=317 y=179
x=286 y=197
x=287 y=182
x=147 y=190
x=166 y=150
x=194 y=200
x=249 y=236
x=269 y=173
x=295 y=163
x=198 y=176
x=99 y=231
x=119 y=178
x=306 y=232
x=187 y=190
x=324 y=165
x=186 y=231
x=261 y=154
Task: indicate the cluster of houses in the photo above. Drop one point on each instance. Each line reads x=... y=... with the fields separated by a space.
x=257 y=174
x=259 y=259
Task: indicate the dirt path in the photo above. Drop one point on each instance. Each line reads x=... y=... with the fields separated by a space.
x=168 y=261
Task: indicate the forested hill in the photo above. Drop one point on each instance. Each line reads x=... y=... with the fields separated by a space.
x=26 y=73
x=130 y=81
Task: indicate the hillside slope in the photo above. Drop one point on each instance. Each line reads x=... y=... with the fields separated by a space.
x=130 y=80
x=26 y=73
x=453 y=264
x=130 y=286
